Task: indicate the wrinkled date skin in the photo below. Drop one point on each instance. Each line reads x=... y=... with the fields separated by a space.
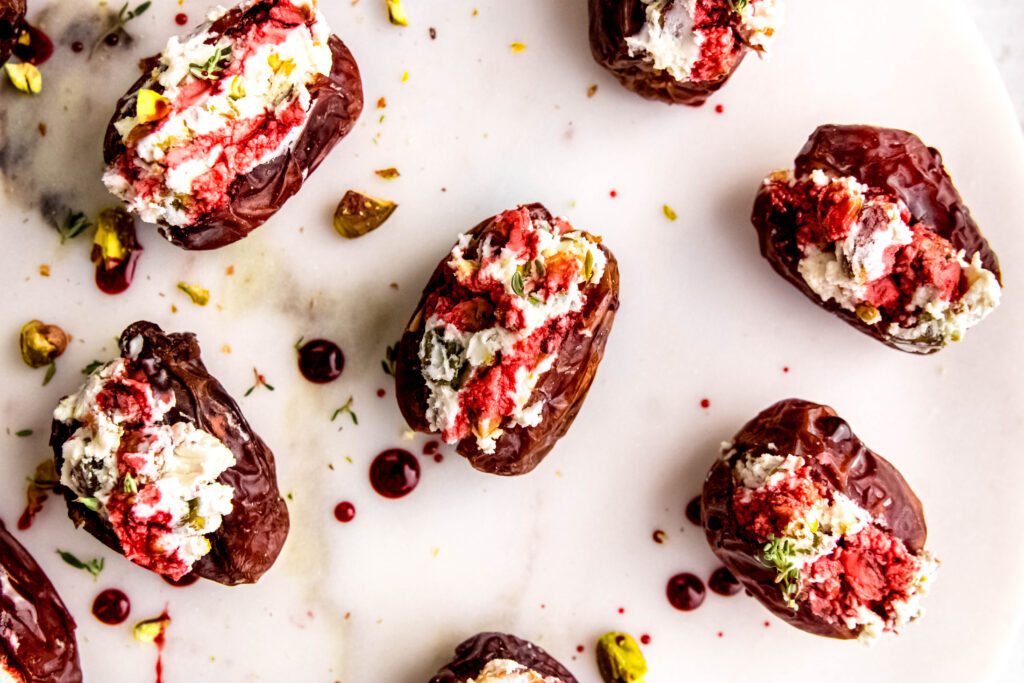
x=894 y=161
x=337 y=101
x=563 y=388
x=12 y=16
x=473 y=654
x=611 y=22
x=816 y=433
x=37 y=634
x=251 y=537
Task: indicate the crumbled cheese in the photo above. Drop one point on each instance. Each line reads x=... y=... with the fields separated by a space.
x=8 y=675
x=760 y=20
x=668 y=39
x=508 y=671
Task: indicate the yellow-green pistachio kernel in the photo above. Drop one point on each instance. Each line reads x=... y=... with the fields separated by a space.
x=148 y=630
x=619 y=658
x=358 y=214
x=41 y=343
x=199 y=295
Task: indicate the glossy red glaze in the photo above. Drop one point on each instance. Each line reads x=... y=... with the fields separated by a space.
x=111 y=607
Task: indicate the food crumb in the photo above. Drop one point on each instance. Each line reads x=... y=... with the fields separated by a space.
x=433 y=33
x=645 y=639
x=393 y=285
x=388 y=173
x=669 y=213
x=174 y=309
x=517 y=47
x=474 y=13
x=44 y=270
x=436 y=551
x=42 y=129
x=230 y=270
x=225 y=349
x=381 y=103
x=719 y=108
x=592 y=90
x=405 y=76
x=658 y=536
x=705 y=403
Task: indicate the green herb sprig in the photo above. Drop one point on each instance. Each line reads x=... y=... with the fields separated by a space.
x=347 y=408
x=210 y=70
x=738 y=5
x=778 y=553
x=91 y=367
x=117 y=26
x=74 y=224
x=93 y=566
x=390 y=360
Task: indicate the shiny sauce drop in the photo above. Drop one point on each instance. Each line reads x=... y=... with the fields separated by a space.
x=685 y=592
x=645 y=639
x=116 y=280
x=723 y=582
x=184 y=581
x=430 y=447
x=344 y=511
x=77 y=46
x=180 y=18
x=321 y=361
x=38 y=49
x=394 y=473
x=111 y=607
x=693 y=511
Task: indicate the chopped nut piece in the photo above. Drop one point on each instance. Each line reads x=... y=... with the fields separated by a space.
x=388 y=173
x=41 y=344
x=619 y=658
x=44 y=270
x=148 y=631
x=151 y=106
x=669 y=213
x=199 y=295
x=517 y=47
x=591 y=91
x=396 y=15
x=25 y=77
x=381 y=103
x=358 y=214
x=868 y=313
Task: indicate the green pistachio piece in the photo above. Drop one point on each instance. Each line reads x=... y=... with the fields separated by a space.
x=41 y=344
x=619 y=658
x=200 y=296
x=148 y=631
x=358 y=214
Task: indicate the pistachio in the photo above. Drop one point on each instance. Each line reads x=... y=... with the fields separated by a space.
x=114 y=240
x=151 y=106
x=396 y=15
x=25 y=77
x=41 y=344
x=199 y=295
x=868 y=313
x=278 y=65
x=148 y=631
x=388 y=173
x=619 y=658
x=358 y=214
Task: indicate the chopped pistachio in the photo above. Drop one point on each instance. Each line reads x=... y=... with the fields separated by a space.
x=91 y=503
x=669 y=213
x=868 y=314
x=517 y=47
x=358 y=214
x=151 y=106
x=396 y=15
x=591 y=91
x=25 y=77
x=23 y=432
x=115 y=238
x=388 y=173
x=619 y=658
x=93 y=566
x=199 y=295
x=41 y=344
x=148 y=631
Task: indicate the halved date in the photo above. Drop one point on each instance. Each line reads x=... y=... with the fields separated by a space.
x=501 y=654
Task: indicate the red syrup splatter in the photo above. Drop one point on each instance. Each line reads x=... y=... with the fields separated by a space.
x=719 y=108
x=613 y=194
x=430 y=447
x=180 y=18
x=394 y=473
x=77 y=46
x=645 y=639
x=111 y=607
x=579 y=648
x=705 y=403
x=723 y=582
x=344 y=512
x=183 y=582
x=38 y=49
x=381 y=393
x=685 y=592
x=321 y=361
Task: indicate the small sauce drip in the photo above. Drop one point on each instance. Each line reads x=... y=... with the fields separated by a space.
x=321 y=361
x=622 y=610
x=645 y=639
x=161 y=641
x=685 y=592
x=381 y=393
x=430 y=447
x=705 y=403
x=693 y=511
x=579 y=648
x=116 y=280
x=394 y=473
x=723 y=582
x=344 y=511
x=438 y=457
x=39 y=47
x=180 y=18
x=658 y=536
x=719 y=108
x=184 y=581
x=112 y=39
x=77 y=46
x=111 y=607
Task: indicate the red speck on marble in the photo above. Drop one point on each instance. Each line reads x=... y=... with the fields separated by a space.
x=719 y=108
x=658 y=536
x=719 y=634
x=785 y=369
x=381 y=393
x=705 y=403
x=438 y=457
x=542 y=605
x=622 y=610
x=767 y=624
x=613 y=194
x=645 y=639
x=579 y=648
x=181 y=19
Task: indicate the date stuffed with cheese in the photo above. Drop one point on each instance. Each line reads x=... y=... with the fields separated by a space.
x=227 y=123
x=679 y=51
x=37 y=634
x=158 y=462
x=501 y=658
x=822 y=530
x=507 y=337
x=12 y=17
x=869 y=226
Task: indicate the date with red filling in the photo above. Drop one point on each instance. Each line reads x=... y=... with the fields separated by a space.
x=37 y=634
x=12 y=18
x=679 y=51
x=823 y=531
x=157 y=461
x=507 y=337
x=869 y=226
x=496 y=657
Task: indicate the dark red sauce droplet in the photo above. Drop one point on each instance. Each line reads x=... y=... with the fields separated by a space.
x=25 y=521
x=693 y=511
x=579 y=648
x=112 y=39
x=111 y=607
x=723 y=582
x=184 y=581
x=180 y=18
x=685 y=592
x=658 y=536
x=645 y=639
x=438 y=457
x=380 y=393
x=321 y=361
x=116 y=280
x=39 y=47
x=622 y=610
x=719 y=108
x=705 y=403
x=77 y=46
x=785 y=369
x=430 y=447
x=344 y=511
x=613 y=194
x=394 y=473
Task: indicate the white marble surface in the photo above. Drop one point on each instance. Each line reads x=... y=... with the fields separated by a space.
x=1000 y=22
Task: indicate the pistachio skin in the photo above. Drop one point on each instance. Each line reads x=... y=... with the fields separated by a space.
x=619 y=658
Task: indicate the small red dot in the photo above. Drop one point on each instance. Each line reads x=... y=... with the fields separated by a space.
x=719 y=108
x=181 y=19
x=444 y=189
x=622 y=610
x=645 y=639
x=767 y=624
x=579 y=648
x=719 y=634
x=438 y=457
x=613 y=194
x=380 y=393
x=344 y=512
x=542 y=605
x=705 y=403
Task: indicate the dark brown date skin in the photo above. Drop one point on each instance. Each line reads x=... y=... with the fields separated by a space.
x=337 y=101
x=611 y=22
x=473 y=654
x=816 y=433
x=12 y=16
x=251 y=537
x=37 y=634
x=563 y=388
x=894 y=161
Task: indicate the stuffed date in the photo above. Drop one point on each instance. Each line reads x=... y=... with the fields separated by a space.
x=12 y=17
x=37 y=634
x=507 y=337
x=679 y=51
x=869 y=226
x=157 y=462
x=227 y=123
x=501 y=658
x=819 y=528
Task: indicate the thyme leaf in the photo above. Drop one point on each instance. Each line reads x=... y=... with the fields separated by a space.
x=93 y=566
x=211 y=68
x=347 y=408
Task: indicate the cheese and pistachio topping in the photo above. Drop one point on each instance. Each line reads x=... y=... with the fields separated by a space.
x=7 y=674
x=701 y=40
x=508 y=671
x=483 y=353
x=154 y=483
x=216 y=107
x=862 y=250
x=827 y=551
